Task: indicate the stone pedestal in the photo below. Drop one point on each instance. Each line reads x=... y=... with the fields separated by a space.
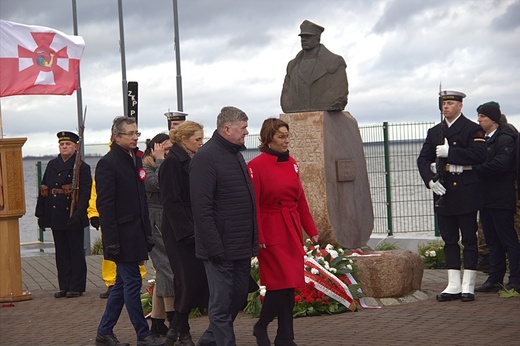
x=329 y=152
x=393 y=274
x=12 y=207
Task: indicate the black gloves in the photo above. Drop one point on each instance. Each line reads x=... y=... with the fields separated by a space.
x=74 y=222
x=94 y=222
x=40 y=224
x=218 y=259
x=150 y=243
x=112 y=252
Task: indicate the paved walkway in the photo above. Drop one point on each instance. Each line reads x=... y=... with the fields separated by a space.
x=44 y=320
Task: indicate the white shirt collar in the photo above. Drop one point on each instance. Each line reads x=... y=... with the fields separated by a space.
x=449 y=124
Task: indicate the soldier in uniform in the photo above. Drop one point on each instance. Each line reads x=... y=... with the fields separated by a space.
x=464 y=146
x=53 y=210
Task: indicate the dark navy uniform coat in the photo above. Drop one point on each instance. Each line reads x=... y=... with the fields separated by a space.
x=467 y=148
x=54 y=210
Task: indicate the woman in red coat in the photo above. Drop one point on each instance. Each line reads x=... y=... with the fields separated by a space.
x=282 y=211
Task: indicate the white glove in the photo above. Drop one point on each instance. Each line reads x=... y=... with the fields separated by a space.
x=442 y=150
x=433 y=167
x=437 y=187
x=456 y=168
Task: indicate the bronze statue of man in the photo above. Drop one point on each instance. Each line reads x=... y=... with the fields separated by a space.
x=316 y=78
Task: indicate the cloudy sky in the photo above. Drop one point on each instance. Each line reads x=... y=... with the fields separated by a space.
x=234 y=52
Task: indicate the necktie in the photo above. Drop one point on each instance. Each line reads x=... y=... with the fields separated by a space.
x=486 y=137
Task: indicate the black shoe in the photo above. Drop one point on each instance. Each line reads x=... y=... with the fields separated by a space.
x=158 y=327
x=73 y=294
x=448 y=297
x=511 y=286
x=109 y=340
x=150 y=340
x=105 y=294
x=262 y=339
x=184 y=340
x=171 y=337
x=60 y=294
x=489 y=286
x=284 y=342
x=467 y=297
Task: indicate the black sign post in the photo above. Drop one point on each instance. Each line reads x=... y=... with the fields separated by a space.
x=132 y=100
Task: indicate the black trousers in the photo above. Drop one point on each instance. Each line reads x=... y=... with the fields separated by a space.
x=449 y=226
x=70 y=259
x=279 y=303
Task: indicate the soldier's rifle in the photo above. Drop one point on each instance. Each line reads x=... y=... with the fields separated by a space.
x=77 y=167
x=440 y=163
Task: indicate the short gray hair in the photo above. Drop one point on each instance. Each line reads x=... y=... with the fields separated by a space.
x=230 y=115
x=119 y=122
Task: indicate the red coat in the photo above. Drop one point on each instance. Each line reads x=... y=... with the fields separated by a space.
x=282 y=210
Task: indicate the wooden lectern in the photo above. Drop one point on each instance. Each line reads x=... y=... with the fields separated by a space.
x=12 y=207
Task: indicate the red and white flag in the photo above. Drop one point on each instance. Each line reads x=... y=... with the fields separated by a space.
x=35 y=60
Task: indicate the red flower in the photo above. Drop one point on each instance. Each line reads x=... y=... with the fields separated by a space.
x=297 y=299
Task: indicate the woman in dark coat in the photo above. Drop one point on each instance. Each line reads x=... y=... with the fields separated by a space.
x=189 y=275
x=163 y=294
x=282 y=211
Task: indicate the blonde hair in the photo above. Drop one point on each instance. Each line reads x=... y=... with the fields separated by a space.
x=186 y=129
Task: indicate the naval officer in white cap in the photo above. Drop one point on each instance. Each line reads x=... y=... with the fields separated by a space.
x=462 y=146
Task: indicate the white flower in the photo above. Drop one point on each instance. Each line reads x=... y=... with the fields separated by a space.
x=151 y=281
x=329 y=247
x=254 y=262
x=349 y=267
x=433 y=253
x=333 y=270
x=326 y=265
x=262 y=291
x=341 y=251
x=314 y=271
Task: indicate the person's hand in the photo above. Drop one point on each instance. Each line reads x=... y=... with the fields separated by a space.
x=442 y=150
x=315 y=238
x=262 y=245
x=456 y=168
x=433 y=167
x=94 y=222
x=40 y=224
x=157 y=151
x=112 y=252
x=217 y=259
x=437 y=187
x=150 y=243
x=74 y=222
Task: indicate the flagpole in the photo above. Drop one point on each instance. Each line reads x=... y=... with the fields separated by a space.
x=123 y=61
x=79 y=102
x=177 y=56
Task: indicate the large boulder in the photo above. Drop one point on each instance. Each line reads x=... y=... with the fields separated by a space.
x=392 y=274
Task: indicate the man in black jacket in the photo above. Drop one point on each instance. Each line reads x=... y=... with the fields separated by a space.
x=464 y=146
x=226 y=235
x=497 y=185
x=127 y=235
x=53 y=210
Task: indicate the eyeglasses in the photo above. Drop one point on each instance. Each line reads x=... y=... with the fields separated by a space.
x=131 y=134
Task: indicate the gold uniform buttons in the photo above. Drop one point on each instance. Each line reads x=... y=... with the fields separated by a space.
x=454 y=183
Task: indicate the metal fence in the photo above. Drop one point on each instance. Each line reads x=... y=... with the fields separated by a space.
x=401 y=202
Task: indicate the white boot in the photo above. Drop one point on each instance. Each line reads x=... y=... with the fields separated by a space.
x=452 y=291
x=468 y=285
x=453 y=282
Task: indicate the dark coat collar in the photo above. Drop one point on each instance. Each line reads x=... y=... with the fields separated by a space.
x=231 y=147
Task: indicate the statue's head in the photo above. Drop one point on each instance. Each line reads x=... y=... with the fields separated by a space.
x=310 y=34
